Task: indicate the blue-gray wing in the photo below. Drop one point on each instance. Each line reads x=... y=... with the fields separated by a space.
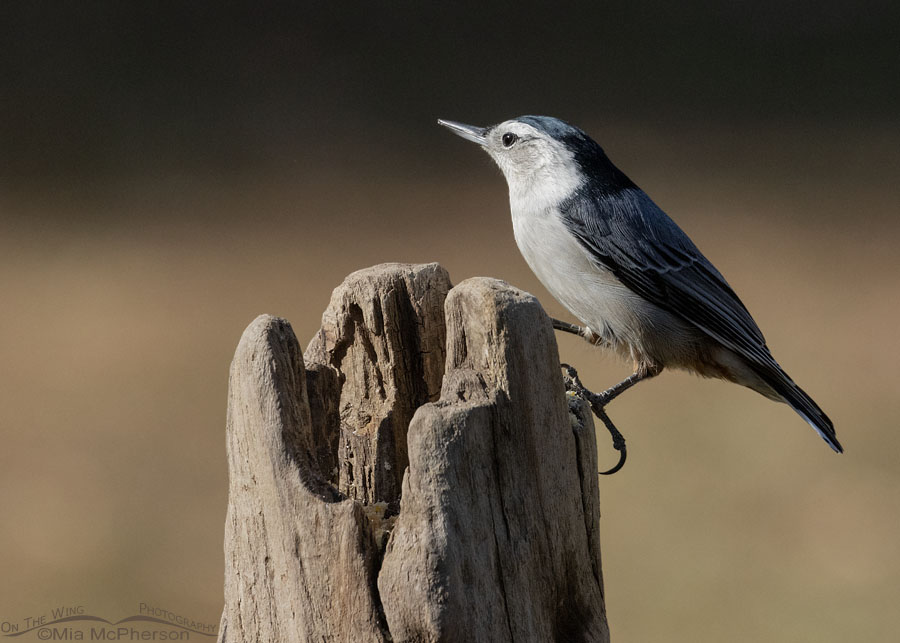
x=628 y=234
x=631 y=236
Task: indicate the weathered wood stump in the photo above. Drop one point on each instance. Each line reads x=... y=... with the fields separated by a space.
x=418 y=475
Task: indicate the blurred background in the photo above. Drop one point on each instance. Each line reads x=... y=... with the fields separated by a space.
x=170 y=170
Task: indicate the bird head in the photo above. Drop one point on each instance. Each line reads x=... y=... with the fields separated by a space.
x=543 y=158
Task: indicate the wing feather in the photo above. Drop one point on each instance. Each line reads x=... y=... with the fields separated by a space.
x=628 y=234
x=652 y=256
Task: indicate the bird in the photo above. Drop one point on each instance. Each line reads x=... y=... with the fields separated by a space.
x=625 y=269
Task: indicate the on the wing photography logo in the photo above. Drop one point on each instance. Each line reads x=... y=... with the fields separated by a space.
x=74 y=623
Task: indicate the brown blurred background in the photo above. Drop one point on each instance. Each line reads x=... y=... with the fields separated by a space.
x=170 y=170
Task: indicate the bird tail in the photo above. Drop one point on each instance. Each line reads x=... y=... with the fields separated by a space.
x=804 y=405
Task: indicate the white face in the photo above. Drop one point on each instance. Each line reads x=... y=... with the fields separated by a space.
x=540 y=171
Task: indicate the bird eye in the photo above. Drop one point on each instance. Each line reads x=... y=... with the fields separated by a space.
x=508 y=139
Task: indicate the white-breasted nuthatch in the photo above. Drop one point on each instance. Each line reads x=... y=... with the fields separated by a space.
x=618 y=263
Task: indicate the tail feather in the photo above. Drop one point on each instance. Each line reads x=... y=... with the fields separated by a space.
x=804 y=405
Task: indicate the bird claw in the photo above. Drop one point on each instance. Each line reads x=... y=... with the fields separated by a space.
x=597 y=403
x=573 y=383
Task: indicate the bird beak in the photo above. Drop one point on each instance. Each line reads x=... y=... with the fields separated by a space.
x=468 y=132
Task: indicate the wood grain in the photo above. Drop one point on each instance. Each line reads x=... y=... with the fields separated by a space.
x=420 y=475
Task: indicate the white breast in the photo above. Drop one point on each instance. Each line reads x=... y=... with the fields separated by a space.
x=591 y=293
x=631 y=324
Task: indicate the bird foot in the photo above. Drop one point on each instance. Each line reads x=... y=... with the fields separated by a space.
x=598 y=403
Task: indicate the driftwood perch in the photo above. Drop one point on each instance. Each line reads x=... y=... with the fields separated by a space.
x=418 y=475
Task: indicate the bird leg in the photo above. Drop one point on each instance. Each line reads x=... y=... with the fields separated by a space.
x=582 y=331
x=598 y=401
x=573 y=383
x=613 y=392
